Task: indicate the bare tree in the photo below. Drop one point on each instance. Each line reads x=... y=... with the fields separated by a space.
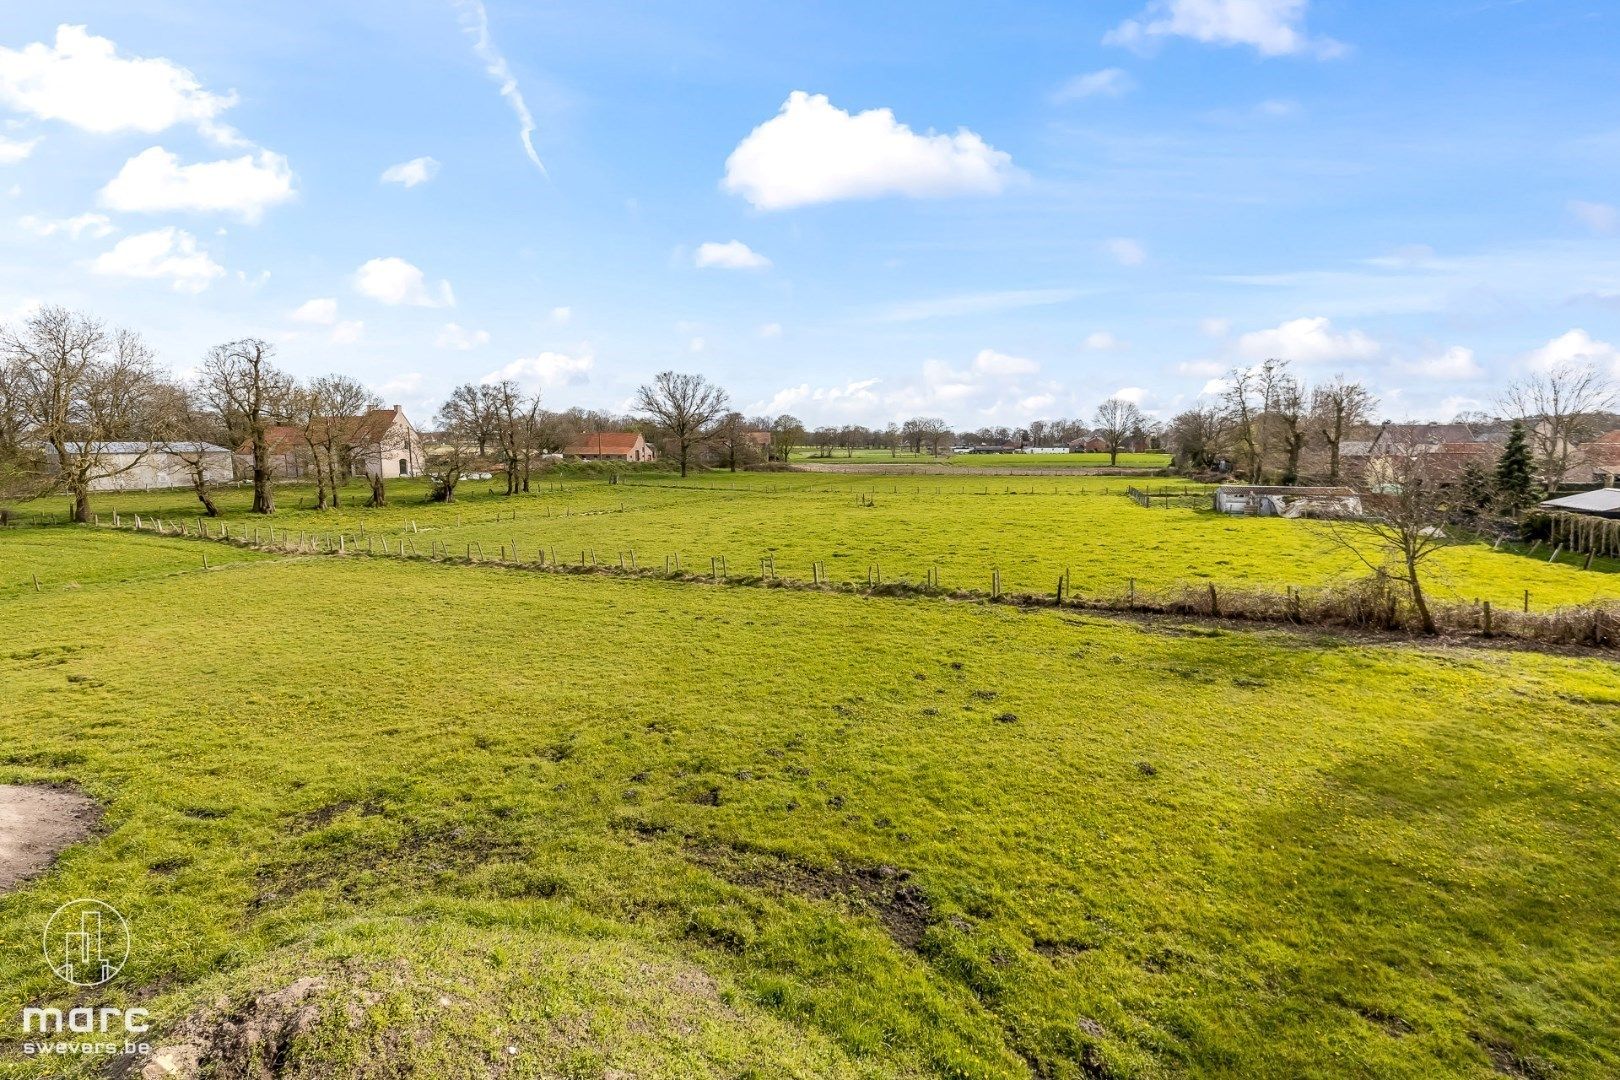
x=1197 y=435
x=245 y=389
x=193 y=432
x=517 y=424
x=457 y=449
x=1116 y=419
x=684 y=408
x=1337 y=409
x=345 y=402
x=1558 y=410
x=734 y=436
x=1288 y=407
x=787 y=432
x=1404 y=527
x=1243 y=418
x=77 y=386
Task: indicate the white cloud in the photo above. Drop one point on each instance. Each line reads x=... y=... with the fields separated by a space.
x=410 y=173
x=814 y=152
x=1271 y=27
x=990 y=362
x=1109 y=82
x=162 y=253
x=851 y=397
x=454 y=336
x=155 y=181
x=81 y=80
x=1599 y=217
x=1126 y=252
x=1574 y=347
x=15 y=150
x=1457 y=362
x=475 y=21
x=547 y=369
x=401 y=385
x=347 y=333
x=1216 y=327
x=1132 y=394
x=1215 y=388
x=1307 y=341
x=975 y=304
x=562 y=316
x=1205 y=368
x=321 y=311
x=696 y=345
x=731 y=255
x=771 y=330
x=394 y=281
x=96 y=225
x=1036 y=402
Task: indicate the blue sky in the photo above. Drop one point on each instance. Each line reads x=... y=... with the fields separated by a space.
x=1062 y=201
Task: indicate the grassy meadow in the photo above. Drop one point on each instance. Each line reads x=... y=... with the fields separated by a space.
x=548 y=826
x=1030 y=529
x=1145 y=461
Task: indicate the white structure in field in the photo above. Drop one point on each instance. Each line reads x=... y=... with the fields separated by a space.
x=148 y=466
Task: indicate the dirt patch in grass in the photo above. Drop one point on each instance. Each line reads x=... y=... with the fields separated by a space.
x=886 y=892
x=35 y=824
x=251 y=1039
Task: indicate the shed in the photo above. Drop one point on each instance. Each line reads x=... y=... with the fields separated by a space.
x=1604 y=502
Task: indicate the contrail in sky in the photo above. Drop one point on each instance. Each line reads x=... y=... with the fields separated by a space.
x=475 y=21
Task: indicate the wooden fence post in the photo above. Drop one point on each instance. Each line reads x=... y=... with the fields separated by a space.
x=1486 y=611
x=1214 y=602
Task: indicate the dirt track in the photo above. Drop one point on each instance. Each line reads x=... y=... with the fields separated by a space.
x=35 y=824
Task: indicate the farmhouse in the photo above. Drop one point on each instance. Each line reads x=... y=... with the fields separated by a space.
x=610 y=446
x=148 y=466
x=1604 y=502
x=379 y=441
x=1602 y=454
x=1290 y=502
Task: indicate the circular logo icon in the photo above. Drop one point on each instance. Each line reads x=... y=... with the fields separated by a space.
x=86 y=942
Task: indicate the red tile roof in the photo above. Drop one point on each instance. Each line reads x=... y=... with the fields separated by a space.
x=615 y=443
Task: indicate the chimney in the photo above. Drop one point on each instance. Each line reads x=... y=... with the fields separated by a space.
x=395 y=408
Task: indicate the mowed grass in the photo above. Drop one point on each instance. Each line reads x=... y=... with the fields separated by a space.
x=1145 y=461
x=1031 y=530
x=65 y=557
x=653 y=827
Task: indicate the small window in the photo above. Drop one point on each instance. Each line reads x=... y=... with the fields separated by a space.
x=404 y=466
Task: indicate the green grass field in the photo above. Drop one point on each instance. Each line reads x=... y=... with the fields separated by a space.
x=1146 y=461
x=1031 y=529
x=546 y=826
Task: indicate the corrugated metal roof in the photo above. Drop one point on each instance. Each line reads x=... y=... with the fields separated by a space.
x=1601 y=501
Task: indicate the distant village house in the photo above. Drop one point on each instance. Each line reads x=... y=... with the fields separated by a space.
x=610 y=446
x=382 y=441
x=150 y=466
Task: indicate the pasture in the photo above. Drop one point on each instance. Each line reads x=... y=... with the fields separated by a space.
x=1031 y=530
x=1145 y=461
x=542 y=826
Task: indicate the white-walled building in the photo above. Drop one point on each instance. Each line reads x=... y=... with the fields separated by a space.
x=147 y=466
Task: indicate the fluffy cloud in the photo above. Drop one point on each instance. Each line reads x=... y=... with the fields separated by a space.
x=454 y=336
x=854 y=397
x=547 y=369
x=1271 y=27
x=1126 y=252
x=96 y=225
x=562 y=316
x=321 y=311
x=1204 y=368
x=814 y=152
x=162 y=253
x=1456 y=362
x=990 y=362
x=394 y=281
x=1599 y=217
x=155 y=181
x=410 y=173
x=1308 y=341
x=1574 y=347
x=1100 y=341
x=347 y=333
x=1133 y=394
x=731 y=255
x=81 y=80
x=1109 y=82
x=15 y=150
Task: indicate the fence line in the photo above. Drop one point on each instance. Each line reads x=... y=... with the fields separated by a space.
x=1375 y=603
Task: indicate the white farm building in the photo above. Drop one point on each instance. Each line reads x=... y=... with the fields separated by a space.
x=146 y=466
